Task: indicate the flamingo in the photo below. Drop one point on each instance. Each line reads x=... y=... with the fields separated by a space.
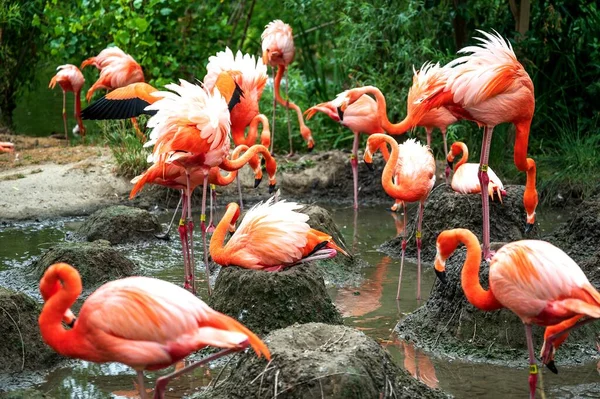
x=412 y=166
x=359 y=117
x=250 y=75
x=278 y=51
x=5 y=146
x=430 y=75
x=465 y=180
x=272 y=236
x=70 y=78
x=142 y=322
x=534 y=279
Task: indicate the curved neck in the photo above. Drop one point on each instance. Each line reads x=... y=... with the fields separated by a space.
x=482 y=299
x=286 y=103
x=465 y=155
x=521 y=142
x=54 y=334
x=530 y=196
x=392 y=189
x=391 y=128
x=531 y=174
x=217 y=242
x=265 y=136
x=235 y=164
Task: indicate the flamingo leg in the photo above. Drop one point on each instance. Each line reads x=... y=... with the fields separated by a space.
x=355 y=235
x=140 y=378
x=239 y=184
x=138 y=132
x=273 y=119
x=190 y=235
x=419 y=230
x=183 y=236
x=161 y=383
x=64 y=113
x=203 y=230
x=213 y=196
x=447 y=171
x=354 y=164
x=165 y=236
x=533 y=369
x=403 y=251
x=287 y=111
x=549 y=341
x=428 y=130
x=484 y=181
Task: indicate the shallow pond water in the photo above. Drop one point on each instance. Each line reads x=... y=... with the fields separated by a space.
x=370 y=306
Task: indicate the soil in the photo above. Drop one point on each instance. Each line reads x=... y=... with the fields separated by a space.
x=446 y=209
x=120 y=224
x=450 y=325
x=21 y=346
x=97 y=262
x=350 y=365
x=265 y=301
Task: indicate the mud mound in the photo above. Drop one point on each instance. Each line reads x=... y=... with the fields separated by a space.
x=96 y=262
x=350 y=365
x=265 y=301
x=119 y=224
x=21 y=346
x=450 y=325
x=446 y=209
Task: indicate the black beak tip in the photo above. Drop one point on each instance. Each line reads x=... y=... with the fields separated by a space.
x=552 y=367
x=340 y=113
x=72 y=323
x=272 y=188
x=370 y=166
x=450 y=164
x=528 y=228
x=310 y=149
x=441 y=276
x=257 y=182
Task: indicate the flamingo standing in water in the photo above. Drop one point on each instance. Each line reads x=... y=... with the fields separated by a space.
x=534 y=279
x=465 y=180
x=412 y=167
x=251 y=76
x=70 y=78
x=272 y=236
x=430 y=75
x=278 y=51
x=145 y=323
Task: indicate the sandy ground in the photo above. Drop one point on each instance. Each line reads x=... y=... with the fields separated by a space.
x=48 y=179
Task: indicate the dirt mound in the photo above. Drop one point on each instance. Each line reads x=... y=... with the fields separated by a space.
x=119 y=224
x=96 y=262
x=450 y=325
x=350 y=365
x=445 y=209
x=21 y=346
x=265 y=301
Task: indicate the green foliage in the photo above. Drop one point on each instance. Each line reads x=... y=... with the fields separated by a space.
x=130 y=155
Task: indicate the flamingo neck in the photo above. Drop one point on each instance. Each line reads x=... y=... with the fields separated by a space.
x=65 y=342
x=479 y=297
x=304 y=130
x=465 y=156
x=392 y=189
x=530 y=196
x=391 y=128
x=521 y=142
x=265 y=136
x=235 y=164
x=217 y=242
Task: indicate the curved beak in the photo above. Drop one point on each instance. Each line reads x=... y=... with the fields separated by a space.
x=441 y=276
x=528 y=227
x=552 y=367
x=257 y=182
x=450 y=164
x=272 y=188
x=340 y=113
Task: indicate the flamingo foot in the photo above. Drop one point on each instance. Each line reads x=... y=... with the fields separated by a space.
x=290 y=154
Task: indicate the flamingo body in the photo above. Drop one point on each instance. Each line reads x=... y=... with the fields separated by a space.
x=70 y=78
x=122 y=103
x=278 y=44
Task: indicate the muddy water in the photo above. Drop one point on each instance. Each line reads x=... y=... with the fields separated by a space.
x=371 y=306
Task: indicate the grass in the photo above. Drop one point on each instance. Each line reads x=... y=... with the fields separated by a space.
x=130 y=155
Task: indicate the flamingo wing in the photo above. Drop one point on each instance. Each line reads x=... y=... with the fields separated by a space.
x=122 y=103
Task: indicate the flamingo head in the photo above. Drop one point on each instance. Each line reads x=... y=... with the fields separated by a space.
x=235 y=217
x=446 y=245
x=307 y=135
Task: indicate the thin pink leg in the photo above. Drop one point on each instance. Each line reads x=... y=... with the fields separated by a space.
x=428 y=131
x=64 y=112
x=403 y=251
x=213 y=198
x=354 y=163
x=161 y=383
x=355 y=235
x=239 y=184
x=287 y=111
x=190 y=233
x=484 y=180
x=184 y=244
x=141 y=388
x=533 y=369
x=273 y=119
x=203 y=229
x=419 y=225
x=447 y=171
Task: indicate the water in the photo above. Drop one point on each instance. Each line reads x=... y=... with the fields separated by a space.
x=370 y=306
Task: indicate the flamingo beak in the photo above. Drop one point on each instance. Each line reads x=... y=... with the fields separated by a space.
x=257 y=182
x=232 y=228
x=340 y=113
x=441 y=276
x=370 y=166
x=552 y=367
x=272 y=188
x=450 y=164
x=528 y=228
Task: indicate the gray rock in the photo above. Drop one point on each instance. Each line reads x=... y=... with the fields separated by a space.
x=320 y=360
x=119 y=224
x=265 y=301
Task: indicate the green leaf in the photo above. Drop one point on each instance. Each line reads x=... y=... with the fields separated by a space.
x=165 y=11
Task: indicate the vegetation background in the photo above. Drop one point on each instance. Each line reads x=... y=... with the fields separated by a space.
x=340 y=44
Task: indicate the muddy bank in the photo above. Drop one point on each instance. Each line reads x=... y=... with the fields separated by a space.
x=350 y=365
x=265 y=301
x=21 y=346
x=120 y=224
x=446 y=209
x=449 y=325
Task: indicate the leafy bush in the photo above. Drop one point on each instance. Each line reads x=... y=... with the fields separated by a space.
x=130 y=155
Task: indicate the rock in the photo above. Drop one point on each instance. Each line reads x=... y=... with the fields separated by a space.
x=450 y=325
x=21 y=346
x=97 y=262
x=119 y=224
x=265 y=301
x=445 y=209
x=320 y=360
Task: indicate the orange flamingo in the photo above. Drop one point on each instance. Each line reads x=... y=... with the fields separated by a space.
x=5 y=146
x=145 y=323
x=412 y=167
x=278 y=51
x=534 y=279
x=70 y=78
x=251 y=76
x=430 y=75
x=465 y=180
x=271 y=237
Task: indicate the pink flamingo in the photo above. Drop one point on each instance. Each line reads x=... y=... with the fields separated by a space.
x=70 y=78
